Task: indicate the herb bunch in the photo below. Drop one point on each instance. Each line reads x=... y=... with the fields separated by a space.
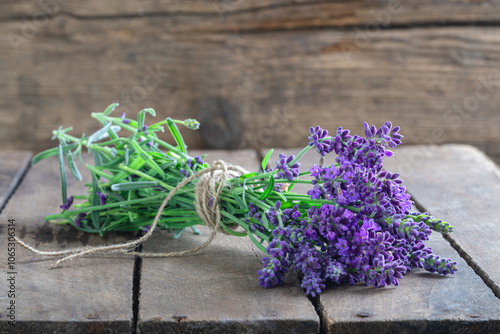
x=355 y=224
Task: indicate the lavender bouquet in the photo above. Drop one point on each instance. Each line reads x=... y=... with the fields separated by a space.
x=355 y=223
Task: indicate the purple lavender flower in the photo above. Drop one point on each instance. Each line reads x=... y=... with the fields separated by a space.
x=317 y=138
x=196 y=160
x=376 y=240
x=256 y=227
x=380 y=243
x=313 y=284
x=310 y=233
x=307 y=258
x=340 y=141
x=342 y=246
x=434 y=263
x=334 y=271
x=316 y=171
x=66 y=205
x=385 y=271
x=415 y=254
x=361 y=236
x=369 y=224
x=79 y=218
x=272 y=274
x=102 y=197
x=275 y=267
x=286 y=171
x=315 y=193
x=330 y=173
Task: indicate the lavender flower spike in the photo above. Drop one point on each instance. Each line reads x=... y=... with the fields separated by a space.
x=285 y=171
x=323 y=147
x=66 y=205
x=102 y=197
x=79 y=218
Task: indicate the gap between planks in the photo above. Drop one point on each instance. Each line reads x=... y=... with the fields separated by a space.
x=136 y=287
x=24 y=167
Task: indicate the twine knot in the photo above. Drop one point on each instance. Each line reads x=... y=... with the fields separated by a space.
x=208 y=189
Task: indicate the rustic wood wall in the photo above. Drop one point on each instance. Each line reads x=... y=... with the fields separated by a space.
x=256 y=73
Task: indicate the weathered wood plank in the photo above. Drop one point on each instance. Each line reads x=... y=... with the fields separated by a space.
x=13 y=165
x=217 y=290
x=251 y=90
x=460 y=184
x=261 y=15
x=423 y=302
x=90 y=295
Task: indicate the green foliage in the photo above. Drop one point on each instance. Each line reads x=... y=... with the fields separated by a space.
x=133 y=171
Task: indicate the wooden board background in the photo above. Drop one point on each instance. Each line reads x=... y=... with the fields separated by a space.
x=255 y=73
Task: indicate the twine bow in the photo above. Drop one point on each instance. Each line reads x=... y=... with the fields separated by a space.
x=207 y=207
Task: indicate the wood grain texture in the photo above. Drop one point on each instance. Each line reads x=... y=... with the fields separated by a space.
x=217 y=290
x=257 y=89
x=261 y=15
x=459 y=184
x=13 y=165
x=89 y=295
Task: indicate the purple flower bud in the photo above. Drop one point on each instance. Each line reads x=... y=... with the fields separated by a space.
x=285 y=171
x=79 y=218
x=102 y=198
x=317 y=138
x=66 y=205
x=199 y=160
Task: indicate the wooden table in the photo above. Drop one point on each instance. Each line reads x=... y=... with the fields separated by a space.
x=216 y=291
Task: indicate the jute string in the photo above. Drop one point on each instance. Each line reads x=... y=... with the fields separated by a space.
x=207 y=196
